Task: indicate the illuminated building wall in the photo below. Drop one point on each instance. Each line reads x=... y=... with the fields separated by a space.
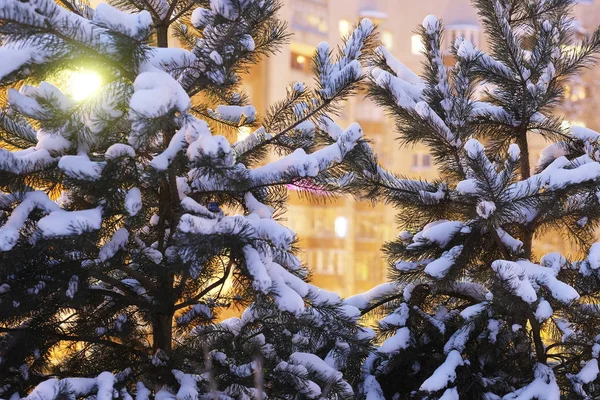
x=341 y=240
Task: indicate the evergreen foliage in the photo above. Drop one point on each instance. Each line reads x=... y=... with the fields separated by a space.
x=472 y=311
x=127 y=227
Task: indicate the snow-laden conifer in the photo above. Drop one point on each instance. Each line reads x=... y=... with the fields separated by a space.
x=129 y=224
x=472 y=311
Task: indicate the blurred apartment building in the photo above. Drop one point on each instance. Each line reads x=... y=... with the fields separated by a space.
x=341 y=239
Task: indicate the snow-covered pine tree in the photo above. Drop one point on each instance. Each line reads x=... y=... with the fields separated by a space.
x=127 y=227
x=471 y=311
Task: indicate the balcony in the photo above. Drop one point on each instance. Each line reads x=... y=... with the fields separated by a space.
x=372 y=9
x=310 y=16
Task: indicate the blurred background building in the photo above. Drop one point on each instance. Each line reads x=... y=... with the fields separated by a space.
x=341 y=240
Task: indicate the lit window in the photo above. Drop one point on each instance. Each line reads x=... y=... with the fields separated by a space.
x=417 y=46
x=466 y=31
x=317 y=22
x=387 y=39
x=341 y=227
x=345 y=27
x=575 y=92
x=299 y=62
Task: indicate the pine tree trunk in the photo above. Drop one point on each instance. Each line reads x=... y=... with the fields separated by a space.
x=162 y=323
x=162 y=36
x=162 y=332
x=528 y=231
x=525 y=174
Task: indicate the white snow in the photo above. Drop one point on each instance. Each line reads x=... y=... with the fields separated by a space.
x=514 y=245
x=439 y=268
x=9 y=232
x=450 y=394
x=523 y=275
x=394 y=344
x=133 y=201
x=119 y=150
x=313 y=363
x=13 y=59
x=132 y=25
x=589 y=372
x=162 y=161
x=116 y=243
x=431 y=23
x=444 y=374
x=593 y=257
x=543 y=311
x=371 y=389
x=486 y=208
x=66 y=223
x=584 y=134
x=438 y=232
x=473 y=311
x=361 y=301
x=544 y=386
x=80 y=167
x=235 y=114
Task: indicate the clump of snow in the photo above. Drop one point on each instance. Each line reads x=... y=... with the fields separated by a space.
x=439 y=268
x=9 y=232
x=133 y=201
x=66 y=223
x=361 y=301
x=116 y=243
x=80 y=167
x=589 y=372
x=438 y=232
x=485 y=209
x=132 y=25
x=119 y=150
x=431 y=23
x=543 y=311
x=522 y=276
x=544 y=386
x=395 y=343
x=444 y=374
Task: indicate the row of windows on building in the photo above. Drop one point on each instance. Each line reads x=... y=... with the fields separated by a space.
x=367 y=266
x=326 y=222
x=301 y=62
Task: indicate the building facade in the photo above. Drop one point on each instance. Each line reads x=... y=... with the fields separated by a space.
x=341 y=239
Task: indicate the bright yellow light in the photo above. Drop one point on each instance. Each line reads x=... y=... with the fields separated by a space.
x=82 y=84
x=243 y=133
x=417 y=45
x=387 y=39
x=344 y=27
x=300 y=59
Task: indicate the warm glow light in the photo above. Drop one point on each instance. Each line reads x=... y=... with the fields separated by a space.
x=82 y=84
x=243 y=133
x=300 y=59
x=387 y=39
x=417 y=45
x=344 y=27
x=341 y=226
